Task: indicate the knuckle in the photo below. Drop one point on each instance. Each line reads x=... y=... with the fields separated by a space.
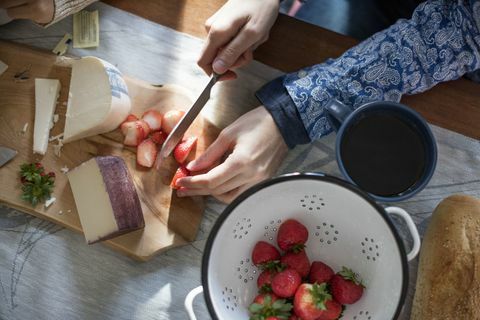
x=252 y=32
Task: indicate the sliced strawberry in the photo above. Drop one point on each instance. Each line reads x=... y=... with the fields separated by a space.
x=292 y=235
x=346 y=287
x=298 y=261
x=285 y=283
x=170 y=120
x=135 y=134
x=147 y=153
x=320 y=272
x=127 y=123
x=182 y=150
x=264 y=252
x=146 y=128
x=153 y=118
x=158 y=137
x=182 y=172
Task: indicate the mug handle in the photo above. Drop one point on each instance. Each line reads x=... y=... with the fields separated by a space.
x=189 y=301
x=337 y=113
x=411 y=227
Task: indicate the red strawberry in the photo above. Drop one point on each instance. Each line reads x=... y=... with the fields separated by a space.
x=147 y=153
x=131 y=117
x=38 y=165
x=298 y=261
x=135 y=134
x=264 y=280
x=128 y=123
x=292 y=235
x=182 y=150
x=268 y=306
x=285 y=283
x=346 y=288
x=264 y=252
x=320 y=272
x=313 y=301
x=333 y=312
x=182 y=172
x=153 y=118
x=146 y=128
x=170 y=120
x=158 y=137
x=293 y=317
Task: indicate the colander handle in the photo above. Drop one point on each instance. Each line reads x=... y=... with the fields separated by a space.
x=411 y=227
x=189 y=301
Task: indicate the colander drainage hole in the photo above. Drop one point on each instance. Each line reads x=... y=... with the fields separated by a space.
x=370 y=249
x=313 y=202
x=327 y=233
x=242 y=228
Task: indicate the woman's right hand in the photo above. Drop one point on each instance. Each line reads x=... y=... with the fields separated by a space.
x=234 y=31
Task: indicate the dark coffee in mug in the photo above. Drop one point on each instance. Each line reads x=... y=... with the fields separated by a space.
x=384 y=153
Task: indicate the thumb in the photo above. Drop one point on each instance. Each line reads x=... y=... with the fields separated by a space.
x=211 y=156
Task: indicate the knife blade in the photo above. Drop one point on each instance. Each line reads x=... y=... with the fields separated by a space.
x=6 y=154
x=182 y=126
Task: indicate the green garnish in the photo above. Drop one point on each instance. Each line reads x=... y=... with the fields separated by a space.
x=37 y=186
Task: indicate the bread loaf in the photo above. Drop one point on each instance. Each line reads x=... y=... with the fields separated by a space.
x=448 y=280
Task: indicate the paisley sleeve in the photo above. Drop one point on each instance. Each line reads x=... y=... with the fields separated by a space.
x=441 y=42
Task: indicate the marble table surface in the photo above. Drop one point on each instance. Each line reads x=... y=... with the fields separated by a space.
x=48 y=272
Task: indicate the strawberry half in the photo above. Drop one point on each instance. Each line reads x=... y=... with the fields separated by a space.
x=170 y=120
x=153 y=118
x=146 y=128
x=182 y=150
x=158 y=137
x=134 y=135
x=298 y=261
x=182 y=172
x=147 y=153
x=313 y=301
x=285 y=283
x=268 y=306
x=320 y=272
x=128 y=122
x=292 y=235
x=346 y=287
x=264 y=252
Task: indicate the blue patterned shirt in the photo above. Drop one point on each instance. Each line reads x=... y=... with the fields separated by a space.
x=441 y=42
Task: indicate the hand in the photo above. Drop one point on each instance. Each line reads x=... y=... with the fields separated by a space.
x=234 y=31
x=253 y=149
x=40 y=11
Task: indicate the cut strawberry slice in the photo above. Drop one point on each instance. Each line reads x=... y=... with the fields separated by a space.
x=131 y=117
x=153 y=118
x=170 y=120
x=182 y=150
x=134 y=135
x=128 y=123
x=147 y=153
x=182 y=172
x=158 y=137
x=146 y=128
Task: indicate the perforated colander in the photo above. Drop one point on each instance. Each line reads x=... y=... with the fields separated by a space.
x=346 y=228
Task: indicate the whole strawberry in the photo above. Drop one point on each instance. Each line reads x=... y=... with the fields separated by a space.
x=292 y=235
x=264 y=281
x=346 y=287
x=264 y=252
x=298 y=261
x=320 y=272
x=268 y=306
x=285 y=283
x=313 y=301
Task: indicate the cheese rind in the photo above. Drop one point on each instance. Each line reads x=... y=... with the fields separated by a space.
x=46 y=95
x=98 y=99
x=106 y=199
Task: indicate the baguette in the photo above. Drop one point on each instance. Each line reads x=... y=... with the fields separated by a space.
x=448 y=279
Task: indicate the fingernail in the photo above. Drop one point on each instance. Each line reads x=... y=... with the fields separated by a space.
x=191 y=165
x=219 y=66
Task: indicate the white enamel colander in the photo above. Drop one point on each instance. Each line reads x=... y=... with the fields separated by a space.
x=346 y=228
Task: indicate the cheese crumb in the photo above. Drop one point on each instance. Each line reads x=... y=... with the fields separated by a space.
x=60 y=212
x=55 y=118
x=64 y=169
x=57 y=149
x=49 y=202
x=25 y=127
x=57 y=137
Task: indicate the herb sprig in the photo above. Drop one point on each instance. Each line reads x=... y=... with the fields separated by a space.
x=37 y=186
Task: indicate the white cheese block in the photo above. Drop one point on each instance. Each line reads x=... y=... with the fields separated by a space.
x=98 y=99
x=46 y=95
x=106 y=199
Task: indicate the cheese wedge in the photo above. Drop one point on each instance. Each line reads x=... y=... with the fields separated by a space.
x=106 y=199
x=98 y=100
x=46 y=95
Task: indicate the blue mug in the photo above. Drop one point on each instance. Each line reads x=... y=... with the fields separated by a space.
x=385 y=148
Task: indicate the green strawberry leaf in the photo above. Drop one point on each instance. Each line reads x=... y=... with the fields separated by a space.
x=320 y=294
x=255 y=308
x=348 y=274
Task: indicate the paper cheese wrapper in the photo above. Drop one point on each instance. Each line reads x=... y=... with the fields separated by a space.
x=86 y=29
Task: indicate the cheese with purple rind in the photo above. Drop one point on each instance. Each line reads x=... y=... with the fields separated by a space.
x=106 y=198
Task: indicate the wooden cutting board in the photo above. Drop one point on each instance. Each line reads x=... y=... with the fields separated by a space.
x=169 y=221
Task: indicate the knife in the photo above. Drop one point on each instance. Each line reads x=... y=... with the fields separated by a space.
x=6 y=154
x=182 y=126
